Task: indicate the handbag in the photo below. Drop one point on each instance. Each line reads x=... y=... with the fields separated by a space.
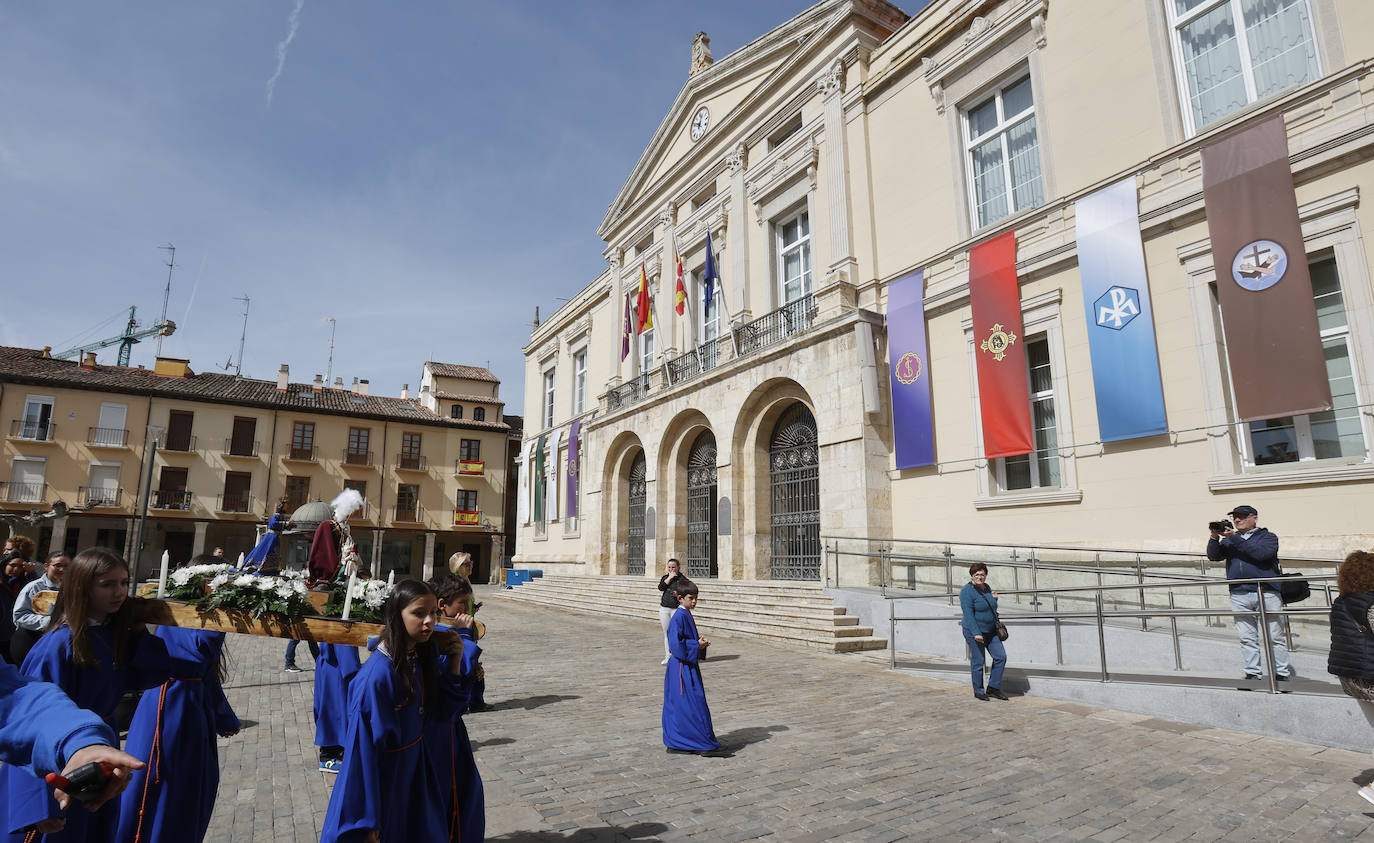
x=1002 y=633
x=1293 y=589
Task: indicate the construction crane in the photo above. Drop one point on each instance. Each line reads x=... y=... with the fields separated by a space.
x=125 y=340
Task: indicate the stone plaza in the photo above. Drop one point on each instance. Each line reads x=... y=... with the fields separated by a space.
x=825 y=748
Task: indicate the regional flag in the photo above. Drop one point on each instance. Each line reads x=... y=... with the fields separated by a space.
x=1000 y=345
x=710 y=275
x=680 y=294
x=646 y=311
x=913 y=431
x=627 y=331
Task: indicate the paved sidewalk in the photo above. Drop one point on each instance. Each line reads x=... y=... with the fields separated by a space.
x=827 y=747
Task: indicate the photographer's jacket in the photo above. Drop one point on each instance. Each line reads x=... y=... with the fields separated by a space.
x=1257 y=556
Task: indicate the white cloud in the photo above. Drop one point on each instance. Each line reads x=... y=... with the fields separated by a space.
x=293 y=23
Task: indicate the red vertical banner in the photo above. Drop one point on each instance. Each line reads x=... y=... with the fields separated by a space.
x=999 y=344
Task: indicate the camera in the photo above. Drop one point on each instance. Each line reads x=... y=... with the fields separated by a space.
x=1219 y=526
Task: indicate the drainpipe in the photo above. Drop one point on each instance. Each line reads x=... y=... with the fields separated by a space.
x=868 y=368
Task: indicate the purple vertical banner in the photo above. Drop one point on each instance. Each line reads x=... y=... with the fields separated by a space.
x=912 y=426
x=574 y=449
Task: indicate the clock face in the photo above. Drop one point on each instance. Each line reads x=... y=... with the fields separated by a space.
x=700 y=122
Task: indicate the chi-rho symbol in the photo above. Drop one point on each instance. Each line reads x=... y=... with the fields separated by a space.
x=1116 y=308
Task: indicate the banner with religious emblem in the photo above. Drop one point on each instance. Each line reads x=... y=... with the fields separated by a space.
x=1273 y=343
x=1000 y=348
x=574 y=454
x=912 y=428
x=551 y=484
x=1121 y=328
x=537 y=479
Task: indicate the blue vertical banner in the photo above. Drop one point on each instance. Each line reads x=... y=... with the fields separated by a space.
x=912 y=426
x=1121 y=326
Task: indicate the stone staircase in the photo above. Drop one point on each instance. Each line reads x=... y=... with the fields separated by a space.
x=795 y=613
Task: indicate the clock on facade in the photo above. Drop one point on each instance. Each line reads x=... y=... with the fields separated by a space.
x=700 y=122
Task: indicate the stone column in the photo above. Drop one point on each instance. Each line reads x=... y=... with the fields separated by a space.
x=198 y=544
x=675 y=338
x=831 y=87
x=498 y=546
x=427 y=564
x=618 y=311
x=59 y=535
x=736 y=284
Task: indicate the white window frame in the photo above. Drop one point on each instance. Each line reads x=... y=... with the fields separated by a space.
x=707 y=325
x=1000 y=464
x=801 y=245
x=1177 y=21
x=39 y=400
x=42 y=463
x=1001 y=131
x=579 y=390
x=550 y=384
x=644 y=343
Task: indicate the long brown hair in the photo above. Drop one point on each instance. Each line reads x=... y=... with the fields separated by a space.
x=397 y=642
x=73 y=606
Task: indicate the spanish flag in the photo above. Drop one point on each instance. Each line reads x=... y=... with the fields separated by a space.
x=646 y=310
x=680 y=296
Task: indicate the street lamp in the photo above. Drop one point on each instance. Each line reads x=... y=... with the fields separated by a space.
x=153 y=438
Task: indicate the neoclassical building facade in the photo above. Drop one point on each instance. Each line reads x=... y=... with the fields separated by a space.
x=852 y=146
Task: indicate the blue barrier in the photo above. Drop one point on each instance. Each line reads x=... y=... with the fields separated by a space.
x=514 y=577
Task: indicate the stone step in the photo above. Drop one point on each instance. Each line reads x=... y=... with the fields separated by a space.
x=775 y=596
x=813 y=611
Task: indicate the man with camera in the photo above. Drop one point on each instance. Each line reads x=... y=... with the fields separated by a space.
x=1250 y=552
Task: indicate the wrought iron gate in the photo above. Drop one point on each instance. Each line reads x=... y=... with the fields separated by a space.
x=701 y=508
x=795 y=480
x=638 y=496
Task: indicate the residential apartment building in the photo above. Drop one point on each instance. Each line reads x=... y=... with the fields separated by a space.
x=217 y=452
x=852 y=146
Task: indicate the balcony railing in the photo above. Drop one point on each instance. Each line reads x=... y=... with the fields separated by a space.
x=100 y=496
x=183 y=444
x=234 y=503
x=107 y=437
x=23 y=492
x=772 y=328
x=171 y=499
x=364 y=513
x=473 y=468
x=241 y=449
x=411 y=462
x=408 y=514
x=696 y=361
x=628 y=393
x=299 y=454
x=352 y=457
x=32 y=430
x=467 y=518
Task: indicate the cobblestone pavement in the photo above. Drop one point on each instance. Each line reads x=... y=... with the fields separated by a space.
x=826 y=748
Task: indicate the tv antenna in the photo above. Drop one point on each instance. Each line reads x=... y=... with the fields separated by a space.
x=329 y=371
x=167 y=293
x=238 y=367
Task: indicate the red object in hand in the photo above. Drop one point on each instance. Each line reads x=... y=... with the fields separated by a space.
x=86 y=782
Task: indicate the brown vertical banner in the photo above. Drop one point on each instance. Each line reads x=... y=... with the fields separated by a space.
x=1272 y=340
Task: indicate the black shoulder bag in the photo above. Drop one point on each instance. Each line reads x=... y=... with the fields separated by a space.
x=1002 y=633
x=1292 y=588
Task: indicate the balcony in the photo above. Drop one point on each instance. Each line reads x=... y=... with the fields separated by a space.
x=469 y=468
x=299 y=454
x=171 y=499
x=33 y=431
x=107 y=437
x=23 y=492
x=99 y=497
x=246 y=450
x=775 y=327
x=236 y=502
x=357 y=459
x=467 y=518
x=366 y=513
x=697 y=361
x=408 y=514
x=411 y=462
x=182 y=444
x=628 y=393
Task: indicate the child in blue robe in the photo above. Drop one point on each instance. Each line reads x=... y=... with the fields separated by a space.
x=174 y=728
x=386 y=788
x=334 y=669
x=266 y=554
x=451 y=747
x=686 y=719
x=95 y=651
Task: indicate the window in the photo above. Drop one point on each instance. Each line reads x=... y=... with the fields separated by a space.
x=303 y=441
x=579 y=362
x=1223 y=67
x=241 y=440
x=1003 y=154
x=469 y=449
x=646 y=343
x=794 y=258
x=110 y=430
x=37 y=422
x=104 y=484
x=407 y=502
x=179 y=431
x=27 y=480
x=1040 y=469
x=359 y=486
x=359 y=439
x=479 y=413
x=788 y=129
x=236 y=491
x=410 y=452
x=708 y=322
x=1333 y=434
x=467 y=500
x=297 y=492
x=548 y=398
x=171 y=490
x=456 y=411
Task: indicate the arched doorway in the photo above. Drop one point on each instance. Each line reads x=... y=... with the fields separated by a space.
x=795 y=481
x=701 y=508
x=638 y=497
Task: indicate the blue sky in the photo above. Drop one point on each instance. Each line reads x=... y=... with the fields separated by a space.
x=412 y=155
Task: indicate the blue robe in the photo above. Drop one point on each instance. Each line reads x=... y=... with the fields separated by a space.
x=97 y=688
x=265 y=552
x=686 y=719
x=174 y=731
x=334 y=669
x=387 y=782
x=455 y=769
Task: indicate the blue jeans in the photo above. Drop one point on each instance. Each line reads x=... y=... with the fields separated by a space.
x=978 y=657
x=291 y=651
x=1247 y=627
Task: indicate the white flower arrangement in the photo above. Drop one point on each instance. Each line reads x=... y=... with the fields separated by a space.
x=182 y=576
x=284 y=594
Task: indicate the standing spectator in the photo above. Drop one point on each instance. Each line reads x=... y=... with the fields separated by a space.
x=1352 y=635
x=1250 y=552
x=13 y=577
x=24 y=548
x=28 y=623
x=979 y=604
x=667 y=601
x=218 y=553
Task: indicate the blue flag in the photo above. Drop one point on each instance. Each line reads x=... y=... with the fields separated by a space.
x=913 y=431
x=1121 y=328
x=709 y=275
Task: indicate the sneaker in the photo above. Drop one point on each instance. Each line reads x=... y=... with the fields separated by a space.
x=996 y=693
x=980 y=695
x=1367 y=792
x=291 y=668
x=331 y=765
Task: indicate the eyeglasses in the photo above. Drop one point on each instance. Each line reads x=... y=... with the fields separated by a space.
x=980 y=574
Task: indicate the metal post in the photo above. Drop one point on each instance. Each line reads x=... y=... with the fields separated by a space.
x=1265 y=642
x=1035 y=586
x=1140 y=578
x=1173 y=629
x=949 y=573
x=829 y=550
x=884 y=569
x=1058 y=639
x=1206 y=597
x=892 y=631
x=1101 y=639
x=143 y=511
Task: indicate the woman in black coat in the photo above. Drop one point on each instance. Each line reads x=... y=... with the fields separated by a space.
x=1352 y=634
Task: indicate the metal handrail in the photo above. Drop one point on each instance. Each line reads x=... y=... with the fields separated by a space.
x=1031 y=546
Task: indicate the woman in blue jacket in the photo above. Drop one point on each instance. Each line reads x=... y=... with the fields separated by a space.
x=979 y=603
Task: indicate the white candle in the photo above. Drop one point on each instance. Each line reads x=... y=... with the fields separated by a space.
x=162 y=577
x=348 y=594
x=391 y=579
x=239 y=564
